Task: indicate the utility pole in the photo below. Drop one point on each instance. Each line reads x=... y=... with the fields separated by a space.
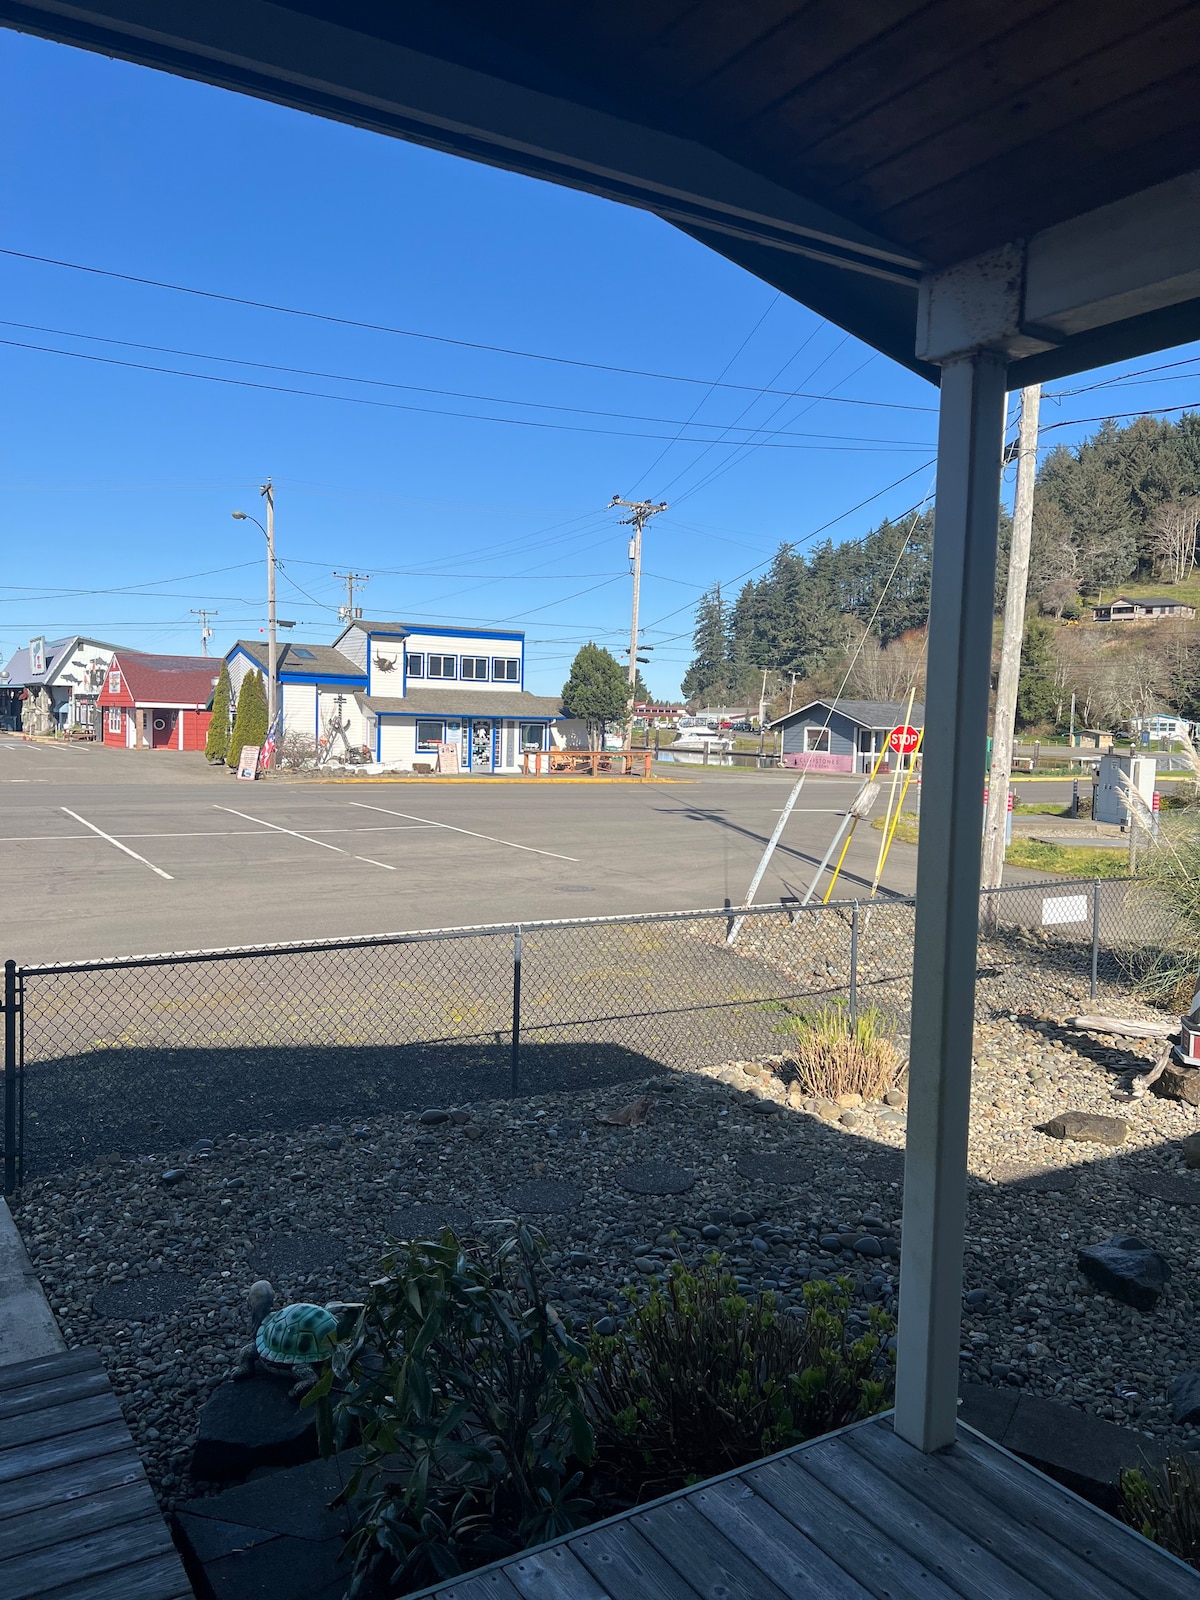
x=792 y=692
x=1004 y=723
x=640 y=512
x=268 y=494
x=347 y=613
x=206 y=632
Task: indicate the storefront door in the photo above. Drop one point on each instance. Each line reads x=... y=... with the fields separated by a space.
x=162 y=728
x=481 y=747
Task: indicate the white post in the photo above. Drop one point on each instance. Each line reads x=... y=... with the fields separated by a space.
x=947 y=922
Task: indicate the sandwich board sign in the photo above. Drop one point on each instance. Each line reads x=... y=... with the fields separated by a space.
x=248 y=761
x=447 y=758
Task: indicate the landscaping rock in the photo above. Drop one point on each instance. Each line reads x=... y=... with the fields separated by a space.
x=174 y=1175
x=1191 y=1151
x=253 y=1423
x=433 y=1118
x=1127 y=1269
x=1179 y=1083
x=1088 y=1127
x=782 y=1169
x=147 y=1298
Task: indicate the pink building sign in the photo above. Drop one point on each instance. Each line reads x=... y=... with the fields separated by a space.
x=819 y=761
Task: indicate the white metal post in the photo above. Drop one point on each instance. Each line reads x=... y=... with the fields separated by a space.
x=947 y=922
x=272 y=644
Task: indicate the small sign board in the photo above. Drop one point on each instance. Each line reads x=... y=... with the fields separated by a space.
x=248 y=762
x=1064 y=908
x=903 y=740
x=447 y=758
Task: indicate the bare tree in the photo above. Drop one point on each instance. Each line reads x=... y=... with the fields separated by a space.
x=1172 y=538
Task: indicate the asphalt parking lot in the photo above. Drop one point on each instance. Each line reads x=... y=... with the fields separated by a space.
x=113 y=852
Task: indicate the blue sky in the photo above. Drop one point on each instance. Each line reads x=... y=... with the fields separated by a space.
x=116 y=478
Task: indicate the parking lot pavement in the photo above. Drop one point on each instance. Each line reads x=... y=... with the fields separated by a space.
x=114 y=852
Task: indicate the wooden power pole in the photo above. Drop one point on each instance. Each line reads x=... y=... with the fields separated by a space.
x=1004 y=722
x=640 y=512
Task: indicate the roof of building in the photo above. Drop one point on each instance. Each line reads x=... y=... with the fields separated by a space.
x=320 y=659
x=463 y=703
x=19 y=664
x=871 y=714
x=1145 y=600
x=169 y=680
x=369 y=626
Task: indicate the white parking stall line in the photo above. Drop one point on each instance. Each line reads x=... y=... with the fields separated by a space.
x=110 y=840
x=491 y=839
x=307 y=837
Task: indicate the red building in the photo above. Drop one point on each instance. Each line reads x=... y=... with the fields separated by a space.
x=158 y=702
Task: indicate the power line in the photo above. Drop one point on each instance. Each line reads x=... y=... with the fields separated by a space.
x=409 y=333
x=432 y=411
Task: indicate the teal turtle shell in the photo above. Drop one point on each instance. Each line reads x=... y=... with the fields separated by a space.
x=296 y=1335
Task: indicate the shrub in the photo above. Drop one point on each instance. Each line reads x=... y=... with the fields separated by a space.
x=834 y=1055
x=250 y=721
x=702 y=1379
x=464 y=1389
x=297 y=752
x=216 y=743
x=1165 y=1506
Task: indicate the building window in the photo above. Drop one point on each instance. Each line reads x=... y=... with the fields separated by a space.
x=430 y=734
x=532 y=735
x=415 y=665
x=114 y=683
x=816 y=741
x=475 y=667
x=443 y=666
x=114 y=719
x=506 y=670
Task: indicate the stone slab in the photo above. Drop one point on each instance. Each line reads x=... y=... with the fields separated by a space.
x=427 y=1221
x=248 y=1424
x=771 y=1168
x=1087 y=1126
x=27 y=1326
x=1169 y=1187
x=544 y=1196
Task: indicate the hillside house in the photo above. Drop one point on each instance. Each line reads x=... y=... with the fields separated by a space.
x=1122 y=609
x=157 y=702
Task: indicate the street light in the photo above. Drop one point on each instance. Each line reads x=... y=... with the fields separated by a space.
x=272 y=655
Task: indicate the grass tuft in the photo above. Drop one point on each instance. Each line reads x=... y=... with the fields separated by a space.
x=834 y=1055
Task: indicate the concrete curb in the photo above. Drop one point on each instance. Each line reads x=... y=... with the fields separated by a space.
x=27 y=1325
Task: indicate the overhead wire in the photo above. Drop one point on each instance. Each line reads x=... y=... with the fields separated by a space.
x=407 y=333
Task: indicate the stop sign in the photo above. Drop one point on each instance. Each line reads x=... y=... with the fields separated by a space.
x=903 y=740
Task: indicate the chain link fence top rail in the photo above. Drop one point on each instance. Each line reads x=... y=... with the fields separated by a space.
x=142 y=1054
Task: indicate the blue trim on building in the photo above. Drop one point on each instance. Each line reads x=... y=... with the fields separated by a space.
x=352 y=679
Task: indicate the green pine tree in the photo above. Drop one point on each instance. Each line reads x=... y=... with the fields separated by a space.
x=1036 y=694
x=250 y=723
x=597 y=691
x=216 y=745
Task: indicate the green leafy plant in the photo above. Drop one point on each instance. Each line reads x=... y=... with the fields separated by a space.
x=216 y=741
x=1164 y=1505
x=463 y=1387
x=835 y=1054
x=250 y=721
x=701 y=1378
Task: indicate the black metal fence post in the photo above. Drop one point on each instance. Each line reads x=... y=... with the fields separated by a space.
x=854 y=965
x=516 y=1012
x=10 y=1077
x=1095 y=933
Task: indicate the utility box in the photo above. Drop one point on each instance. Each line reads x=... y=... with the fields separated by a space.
x=1111 y=803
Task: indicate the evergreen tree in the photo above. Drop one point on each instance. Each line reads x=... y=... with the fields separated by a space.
x=1036 y=693
x=216 y=744
x=708 y=677
x=250 y=723
x=597 y=691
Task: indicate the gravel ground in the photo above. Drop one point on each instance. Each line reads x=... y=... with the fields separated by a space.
x=149 y=1258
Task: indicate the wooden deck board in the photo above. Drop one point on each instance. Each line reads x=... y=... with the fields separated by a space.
x=78 y=1520
x=858 y=1514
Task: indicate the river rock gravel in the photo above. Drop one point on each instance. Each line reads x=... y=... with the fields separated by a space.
x=150 y=1258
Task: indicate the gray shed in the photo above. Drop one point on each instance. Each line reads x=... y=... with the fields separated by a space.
x=843 y=735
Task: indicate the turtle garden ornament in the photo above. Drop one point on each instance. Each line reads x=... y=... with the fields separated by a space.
x=292 y=1341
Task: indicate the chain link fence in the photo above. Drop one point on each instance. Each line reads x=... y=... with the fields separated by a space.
x=130 y=1055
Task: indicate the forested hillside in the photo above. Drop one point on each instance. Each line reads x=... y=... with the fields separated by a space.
x=1120 y=510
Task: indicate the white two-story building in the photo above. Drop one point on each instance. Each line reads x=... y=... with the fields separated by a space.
x=399 y=692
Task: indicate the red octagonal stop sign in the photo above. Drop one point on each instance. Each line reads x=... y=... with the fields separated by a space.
x=903 y=740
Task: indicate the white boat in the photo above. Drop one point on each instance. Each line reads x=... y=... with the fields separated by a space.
x=700 y=745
